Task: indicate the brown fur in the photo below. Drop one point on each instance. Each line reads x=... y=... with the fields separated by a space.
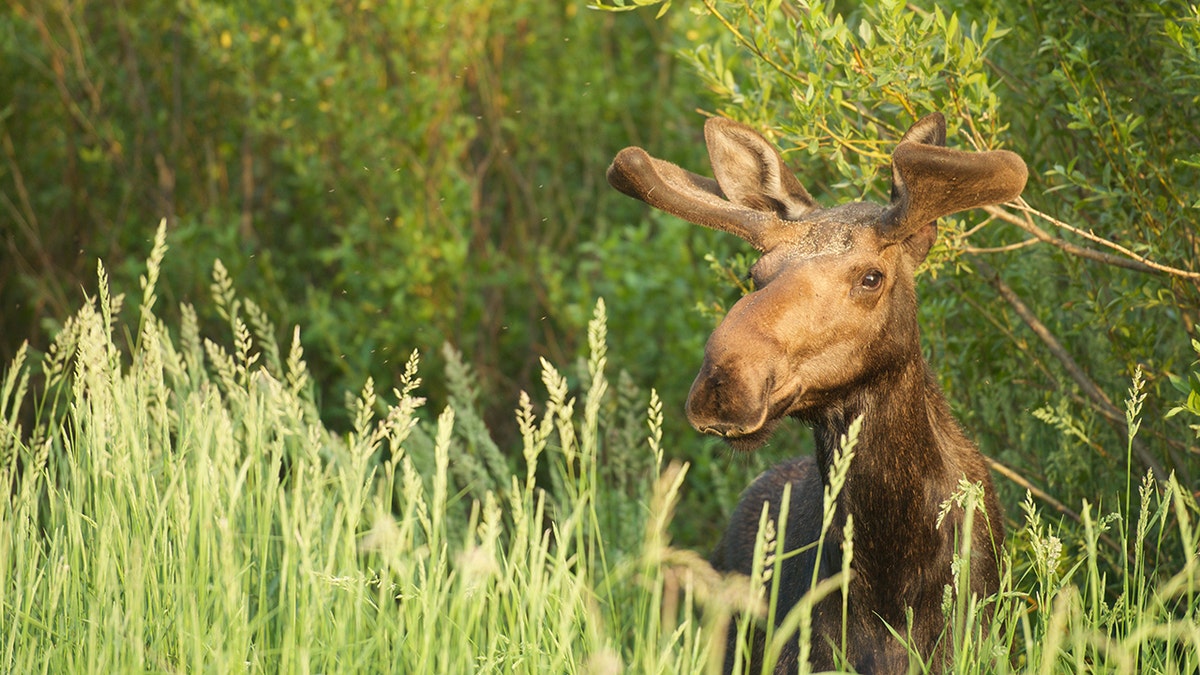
x=829 y=334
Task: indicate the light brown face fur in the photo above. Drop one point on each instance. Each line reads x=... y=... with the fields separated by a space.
x=813 y=327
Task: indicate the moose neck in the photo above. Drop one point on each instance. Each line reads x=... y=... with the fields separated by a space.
x=905 y=463
x=900 y=408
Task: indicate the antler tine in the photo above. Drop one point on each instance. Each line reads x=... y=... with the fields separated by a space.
x=929 y=181
x=682 y=193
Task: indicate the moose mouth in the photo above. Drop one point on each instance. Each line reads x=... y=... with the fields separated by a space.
x=747 y=437
x=718 y=407
x=748 y=441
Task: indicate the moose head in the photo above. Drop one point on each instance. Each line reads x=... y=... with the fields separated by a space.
x=834 y=300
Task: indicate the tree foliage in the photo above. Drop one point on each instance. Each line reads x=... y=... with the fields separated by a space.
x=392 y=175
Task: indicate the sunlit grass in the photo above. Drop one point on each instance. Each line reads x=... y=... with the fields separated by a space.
x=178 y=506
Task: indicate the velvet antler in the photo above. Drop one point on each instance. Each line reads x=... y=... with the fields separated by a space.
x=930 y=181
x=754 y=195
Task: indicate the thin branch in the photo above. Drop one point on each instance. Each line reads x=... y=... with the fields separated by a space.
x=789 y=73
x=1005 y=248
x=1026 y=224
x=1110 y=244
x=1085 y=383
x=849 y=144
x=1128 y=259
x=1016 y=342
x=1109 y=414
x=980 y=226
x=1041 y=494
x=1011 y=474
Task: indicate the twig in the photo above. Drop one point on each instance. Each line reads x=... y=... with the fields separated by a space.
x=1128 y=259
x=980 y=226
x=789 y=73
x=1173 y=446
x=1041 y=494
x=1090 y=388
x=1017 y=342
x=1011 y=474
x=1105 y=242
x=1005 y=248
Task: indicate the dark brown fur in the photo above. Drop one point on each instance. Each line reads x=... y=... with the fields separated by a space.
x=830 y=334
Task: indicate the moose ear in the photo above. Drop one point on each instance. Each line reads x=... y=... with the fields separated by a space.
x=918 y=244
x=751 y=172
x=930 y=181
x=930 y=130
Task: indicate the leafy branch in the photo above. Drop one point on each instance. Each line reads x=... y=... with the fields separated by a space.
x=1127 y=260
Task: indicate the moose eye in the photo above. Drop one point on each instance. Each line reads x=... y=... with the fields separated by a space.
x=872 y=280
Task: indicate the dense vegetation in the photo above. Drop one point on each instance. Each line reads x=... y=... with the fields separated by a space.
x=380 y=177
x=188 y=511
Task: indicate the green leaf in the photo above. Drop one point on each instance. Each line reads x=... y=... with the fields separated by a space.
x=865 y=32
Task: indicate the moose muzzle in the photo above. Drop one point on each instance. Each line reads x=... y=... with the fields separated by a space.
x=730 y=397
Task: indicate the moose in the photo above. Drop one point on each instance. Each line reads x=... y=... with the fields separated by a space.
x=829 y=334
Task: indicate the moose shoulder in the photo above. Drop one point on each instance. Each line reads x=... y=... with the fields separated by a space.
x=828 y=335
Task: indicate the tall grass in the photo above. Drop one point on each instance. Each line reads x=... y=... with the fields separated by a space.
x=177 y=506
